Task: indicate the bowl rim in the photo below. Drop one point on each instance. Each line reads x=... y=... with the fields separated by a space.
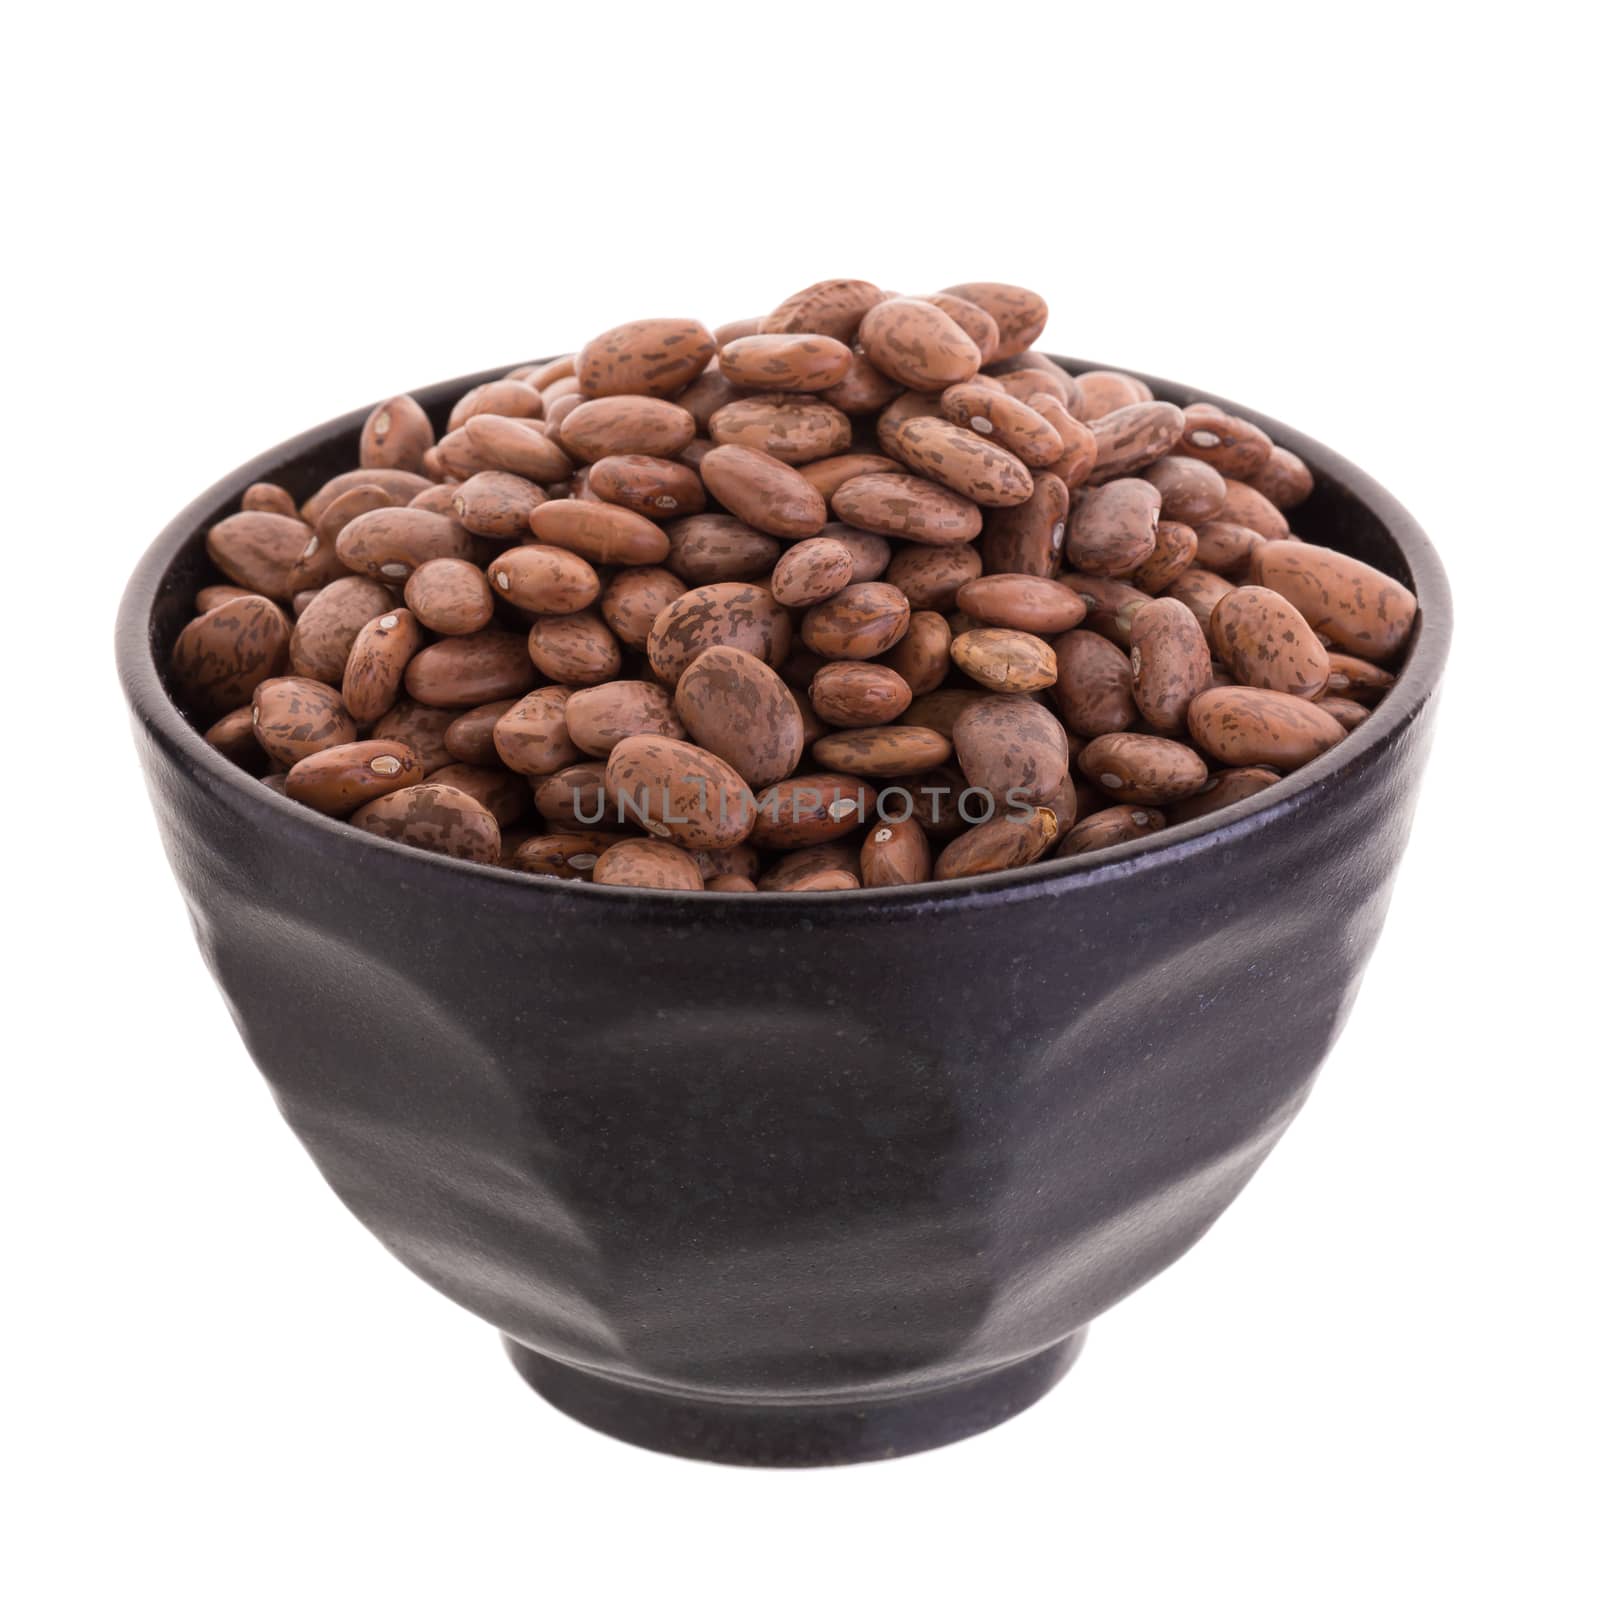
x=1417 y=679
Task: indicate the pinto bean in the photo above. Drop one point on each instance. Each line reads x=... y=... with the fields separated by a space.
x=1359 y=610
x=1243 y=727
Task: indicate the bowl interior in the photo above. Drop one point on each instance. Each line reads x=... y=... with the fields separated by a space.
x=1347 y=511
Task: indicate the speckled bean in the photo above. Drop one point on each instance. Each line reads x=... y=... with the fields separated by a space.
x=1243 y=727
x=431 y=817
x=337 y=780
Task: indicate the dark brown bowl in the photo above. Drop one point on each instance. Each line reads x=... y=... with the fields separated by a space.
x=791 y=1180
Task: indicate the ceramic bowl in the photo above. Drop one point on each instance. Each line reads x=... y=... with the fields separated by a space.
x=791 y=1179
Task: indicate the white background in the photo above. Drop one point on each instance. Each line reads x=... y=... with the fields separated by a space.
x=228 y=223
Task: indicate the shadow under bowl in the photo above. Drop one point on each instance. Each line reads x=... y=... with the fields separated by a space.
x=791 y=1180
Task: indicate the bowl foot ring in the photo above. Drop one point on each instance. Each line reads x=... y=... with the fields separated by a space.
x=796 y=1435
